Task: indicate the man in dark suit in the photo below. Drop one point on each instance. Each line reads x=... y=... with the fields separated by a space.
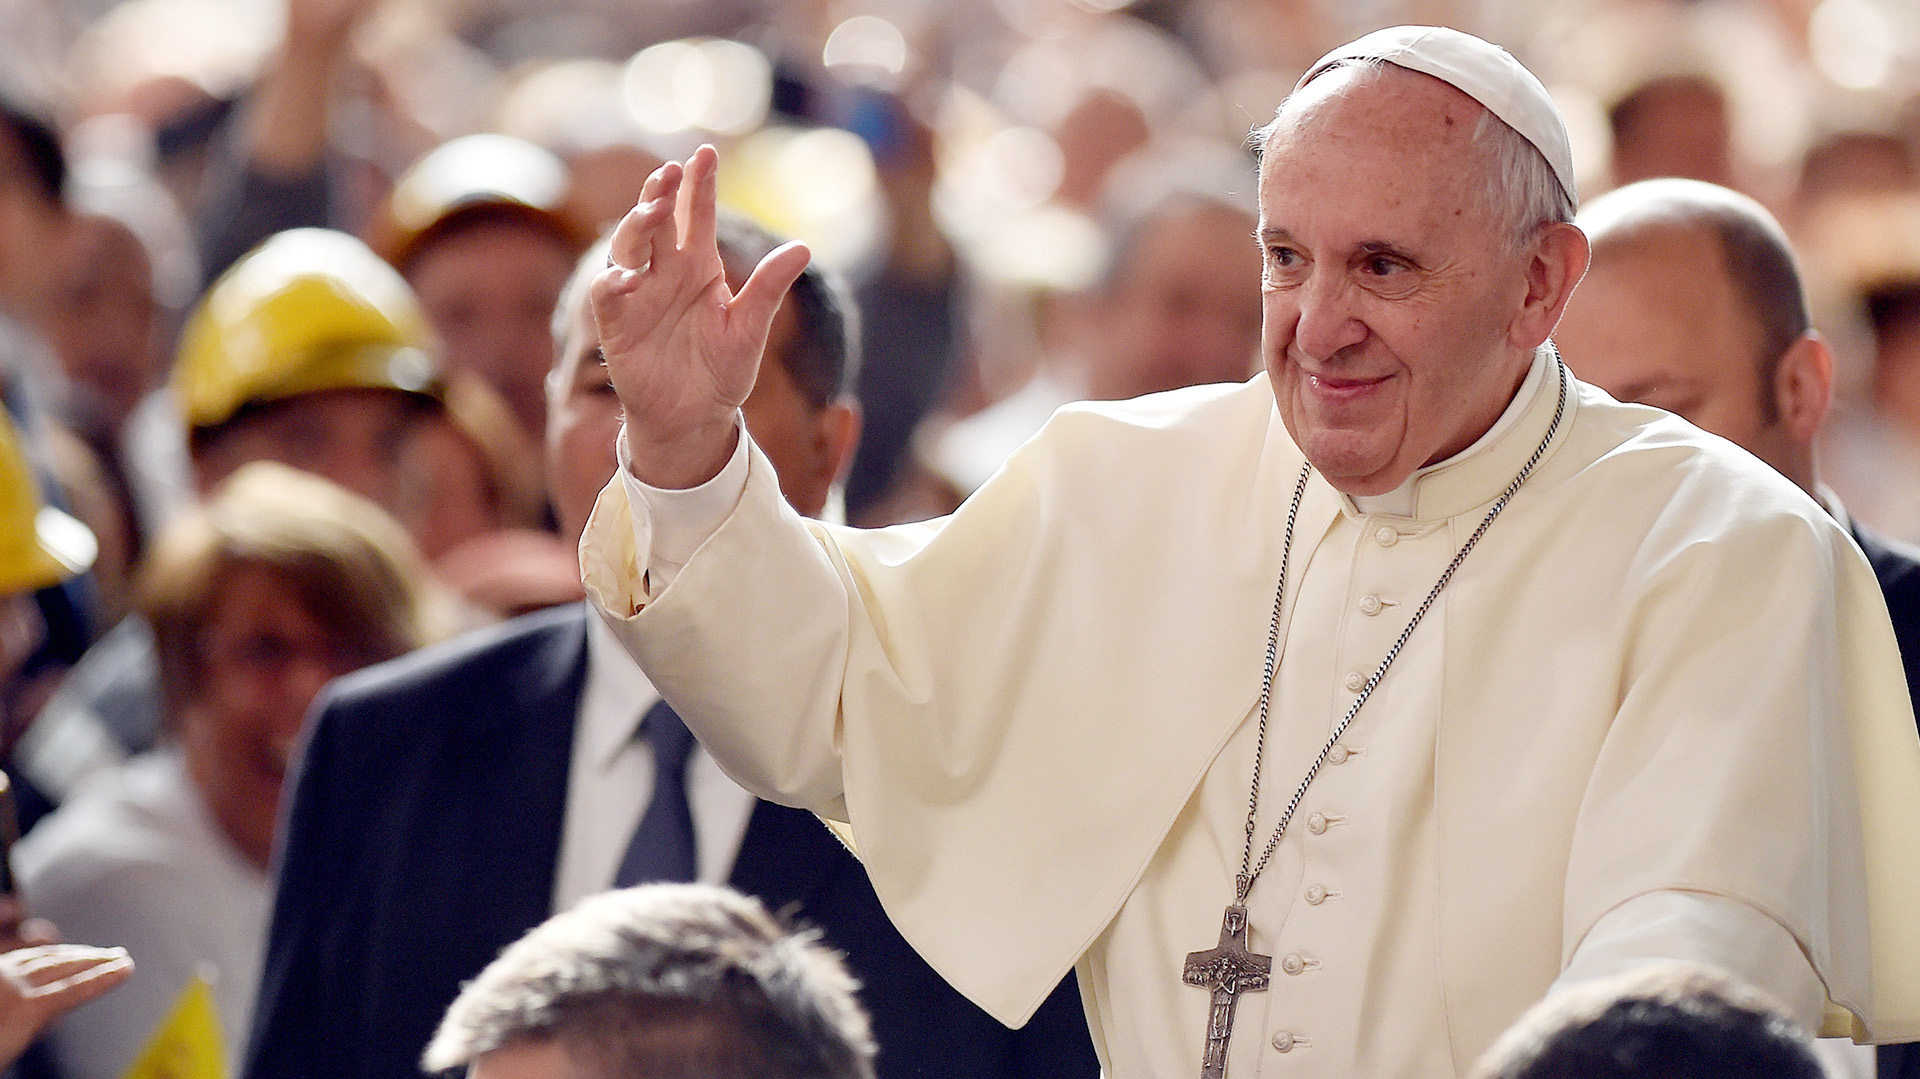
x=1693 y=303
x=450 y=801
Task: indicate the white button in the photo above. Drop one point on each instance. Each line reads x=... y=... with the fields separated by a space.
x=1370 y=605
x=1317 y=823
x=1337 y=755
x=1385 y=536
x=1316 y=894
x=1292 y=963
x=1283 y=1041
x=1356 y=681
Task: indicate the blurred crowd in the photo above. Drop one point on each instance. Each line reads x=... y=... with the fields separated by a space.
x=240 y=238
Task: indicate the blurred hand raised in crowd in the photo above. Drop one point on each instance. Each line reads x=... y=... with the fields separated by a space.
x=681 y=348
x=40 y=984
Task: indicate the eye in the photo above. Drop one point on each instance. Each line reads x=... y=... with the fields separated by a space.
x=1381 y=266
x=1284 y=265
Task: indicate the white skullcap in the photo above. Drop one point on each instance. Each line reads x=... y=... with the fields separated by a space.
x=1482 y=70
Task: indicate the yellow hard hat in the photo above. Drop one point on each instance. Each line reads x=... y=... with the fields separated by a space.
x=308 y=310
x=39 y=545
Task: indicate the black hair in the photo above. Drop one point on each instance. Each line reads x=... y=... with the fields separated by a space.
x=823 y=358
x=38 y=146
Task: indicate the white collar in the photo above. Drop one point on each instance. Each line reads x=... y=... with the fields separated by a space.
x=1401 y=500
x=616 y=695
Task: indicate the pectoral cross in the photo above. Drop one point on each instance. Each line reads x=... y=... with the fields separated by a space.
x=1229 y=970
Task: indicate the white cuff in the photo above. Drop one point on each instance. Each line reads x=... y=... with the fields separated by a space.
x=679 y=521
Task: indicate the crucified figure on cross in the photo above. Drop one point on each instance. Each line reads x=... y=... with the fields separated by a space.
x=1229 y=970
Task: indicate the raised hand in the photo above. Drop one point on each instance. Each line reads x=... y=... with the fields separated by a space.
x=682 y=349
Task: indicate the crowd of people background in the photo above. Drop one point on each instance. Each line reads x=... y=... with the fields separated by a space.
x=334 y=235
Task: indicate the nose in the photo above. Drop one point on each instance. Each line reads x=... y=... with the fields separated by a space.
x=1327 y=320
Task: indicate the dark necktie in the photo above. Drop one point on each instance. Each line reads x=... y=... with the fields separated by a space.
x=662 y=845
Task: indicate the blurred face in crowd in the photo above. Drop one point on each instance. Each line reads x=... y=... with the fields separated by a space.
x=1183 y=308
x=445 y=496
x=808 y=446
x=1393 y=296
x=30 y=226
x=583 y=420
x=1677 y=126
x=262 y=656
x=489 y=290
x=103 y=321
x=354 y=437
x=1658 y=320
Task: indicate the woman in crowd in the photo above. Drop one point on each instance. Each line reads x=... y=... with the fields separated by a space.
x=280 y=583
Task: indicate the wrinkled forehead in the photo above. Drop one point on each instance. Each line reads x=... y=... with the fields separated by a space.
x=1381 y=157
x=1379 y=130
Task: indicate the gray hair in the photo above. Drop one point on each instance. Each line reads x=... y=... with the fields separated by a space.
x=1678 y=1020
x=685 y=980
x=1522 y=193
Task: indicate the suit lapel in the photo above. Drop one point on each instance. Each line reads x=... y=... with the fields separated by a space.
x=531 y=759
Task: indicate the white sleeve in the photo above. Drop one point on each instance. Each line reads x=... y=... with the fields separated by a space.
x=1705 y=928
x=679 y=521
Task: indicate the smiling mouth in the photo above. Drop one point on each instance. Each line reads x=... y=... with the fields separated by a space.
x=1340 y=388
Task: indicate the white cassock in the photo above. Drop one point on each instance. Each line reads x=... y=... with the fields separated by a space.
x=1658 y=712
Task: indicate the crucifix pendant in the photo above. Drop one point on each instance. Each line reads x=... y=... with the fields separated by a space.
x=1229 y=970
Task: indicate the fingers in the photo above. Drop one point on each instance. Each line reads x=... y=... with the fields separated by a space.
x=52 y=968
x=83 y=980
x=38 y=931
x=640 y=232
x=698 y=206
x=759 y=299
x=19 y=931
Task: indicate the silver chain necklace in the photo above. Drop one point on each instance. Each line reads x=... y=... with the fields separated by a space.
x=1229 y=969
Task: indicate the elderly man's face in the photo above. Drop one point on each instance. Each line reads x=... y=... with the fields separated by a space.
x=1390 y=291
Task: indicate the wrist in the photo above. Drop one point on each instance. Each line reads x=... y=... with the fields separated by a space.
x=687 y=460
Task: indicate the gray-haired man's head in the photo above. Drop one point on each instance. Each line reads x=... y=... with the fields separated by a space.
x=666 y=980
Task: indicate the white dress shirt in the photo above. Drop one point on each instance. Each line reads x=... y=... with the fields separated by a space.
x=136 y=859
x=611 y=782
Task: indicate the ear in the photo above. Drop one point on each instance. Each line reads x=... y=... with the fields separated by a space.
x=839 y=434
x=1559 y=260
x=836 y=430
x=1803 y=386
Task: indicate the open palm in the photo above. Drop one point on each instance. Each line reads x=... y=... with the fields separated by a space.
x=682 y=349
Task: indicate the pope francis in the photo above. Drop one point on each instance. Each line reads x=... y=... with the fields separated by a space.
x=1325 y=722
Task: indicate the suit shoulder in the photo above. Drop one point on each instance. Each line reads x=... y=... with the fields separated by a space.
x=1897 y=566
x=460 y=666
